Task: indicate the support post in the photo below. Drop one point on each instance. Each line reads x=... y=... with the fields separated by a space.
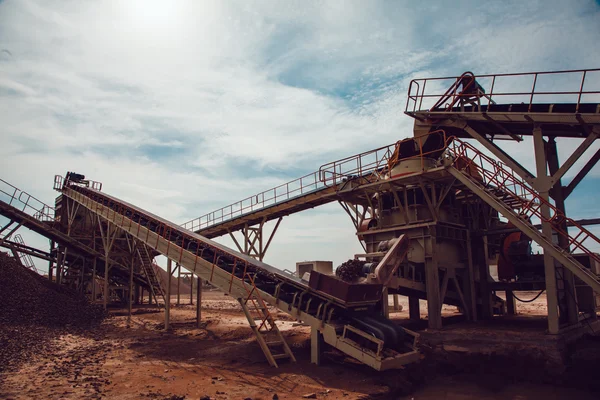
x=191 y=276
x=106 y=268
x=432 y=283
x=511 y=308
x=178 y=283
x=566 y=285
x=94 y=281
x=396 y=304
x=549 y=267
x=51 y=262
x=385 y=303
x=198 y=301
x=414 y=311
x=168 y=295
x=130 y=293
x=316 y=346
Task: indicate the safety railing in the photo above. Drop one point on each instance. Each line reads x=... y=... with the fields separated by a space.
x=279 y=194
x=377 y=164
x=494 y=175
x=363 y=165
x=439 y=94
x=130 y=219
x=25 y=202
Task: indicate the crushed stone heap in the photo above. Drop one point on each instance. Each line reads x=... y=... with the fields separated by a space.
x=33 y=310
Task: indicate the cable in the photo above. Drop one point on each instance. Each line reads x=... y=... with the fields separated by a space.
x=532 y=300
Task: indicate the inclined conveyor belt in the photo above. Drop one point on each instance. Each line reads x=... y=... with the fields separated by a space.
x=288 y=293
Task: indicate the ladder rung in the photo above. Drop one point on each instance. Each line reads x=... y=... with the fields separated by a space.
x=280 y=356
x=276 y=343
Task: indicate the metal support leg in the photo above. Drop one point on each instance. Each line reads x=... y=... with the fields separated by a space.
x=510 y=303
x=414 y=311
x=385 y=303
x=168 y=295
x=549 y=266
x=432 y=283
x=191 y=289
x=396 y=304
x=198 y=301
x=566 y=285
x=316 y=346
x=106 y=289
x=94 y=281
x=130 y=294
x=51 y=263
x=178 y=284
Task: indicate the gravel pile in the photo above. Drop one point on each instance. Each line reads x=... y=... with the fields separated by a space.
x=33 y=310
x=350 y=271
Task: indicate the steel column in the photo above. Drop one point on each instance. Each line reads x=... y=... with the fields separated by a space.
x=198 y=301
x=549 y=266
x=168 y=295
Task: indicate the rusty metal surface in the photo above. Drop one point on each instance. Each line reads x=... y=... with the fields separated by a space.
x=349 y=293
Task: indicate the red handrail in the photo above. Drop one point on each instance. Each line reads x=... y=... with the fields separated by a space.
x=494 y=174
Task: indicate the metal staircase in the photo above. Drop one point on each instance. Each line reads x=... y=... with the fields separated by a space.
x=267 y=333
x=517 y=201
x=154 y=285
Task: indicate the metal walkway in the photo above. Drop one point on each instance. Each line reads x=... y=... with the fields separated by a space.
x=310 y=191
x=376 y=342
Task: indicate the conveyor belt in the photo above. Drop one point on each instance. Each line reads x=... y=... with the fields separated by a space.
x=343 y=326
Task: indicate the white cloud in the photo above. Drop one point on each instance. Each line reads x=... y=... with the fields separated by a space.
x=183 y=107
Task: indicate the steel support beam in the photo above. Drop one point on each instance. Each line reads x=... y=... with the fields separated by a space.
x=581 y=174
x=198 y=301
x=316 y=346
x=432 y=283
x=549 y=266
x=566 y=280
x=498 y=152
x=557 y=175
x=168 y=295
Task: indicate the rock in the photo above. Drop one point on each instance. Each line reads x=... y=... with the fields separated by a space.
x=205 y=398
x=310 y=396
x=275 y=397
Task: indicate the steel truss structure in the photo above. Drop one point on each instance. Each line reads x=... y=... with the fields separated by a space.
x=449 y=190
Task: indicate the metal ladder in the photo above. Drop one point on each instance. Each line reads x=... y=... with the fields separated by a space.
x=485 y=176
x=150 y=273
x=267 y=333
x=23 y=258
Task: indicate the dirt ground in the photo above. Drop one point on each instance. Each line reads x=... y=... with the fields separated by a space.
x=221 y=360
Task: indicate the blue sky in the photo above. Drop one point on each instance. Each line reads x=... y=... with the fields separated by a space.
x=182 y=107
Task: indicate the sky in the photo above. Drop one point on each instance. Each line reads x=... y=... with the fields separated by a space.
x=182 y=107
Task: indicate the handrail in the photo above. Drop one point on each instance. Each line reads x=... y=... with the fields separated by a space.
x=489 y=83
x=284 y=192
x=494 y=174
x=376 y=164
x=369 y=165
x=25 y=202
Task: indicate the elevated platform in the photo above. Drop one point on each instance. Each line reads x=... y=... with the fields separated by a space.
x=565 y=103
